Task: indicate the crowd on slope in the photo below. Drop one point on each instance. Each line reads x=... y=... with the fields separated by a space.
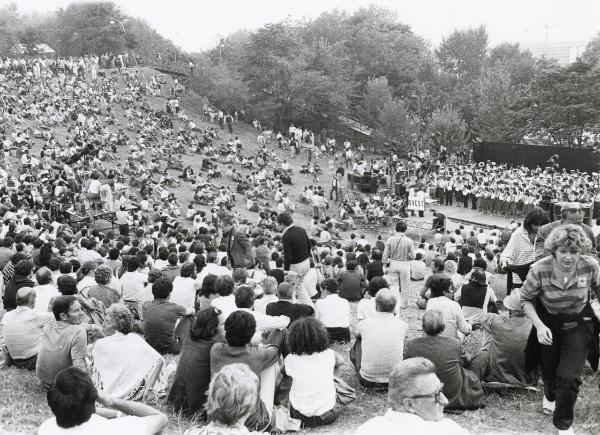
x=251 y=308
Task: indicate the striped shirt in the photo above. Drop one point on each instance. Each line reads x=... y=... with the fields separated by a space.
x=399 y=247
x=543 y=285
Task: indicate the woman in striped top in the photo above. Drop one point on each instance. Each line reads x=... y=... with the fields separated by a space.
x=520 y=249
x=556 y=298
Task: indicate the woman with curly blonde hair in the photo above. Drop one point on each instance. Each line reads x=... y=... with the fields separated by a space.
x=232 y=397
x=556 y=297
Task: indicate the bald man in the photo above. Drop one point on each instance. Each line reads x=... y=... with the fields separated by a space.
x=22 y=331
x=379 y=342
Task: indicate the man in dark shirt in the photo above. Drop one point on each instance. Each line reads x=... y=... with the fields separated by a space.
x=296 y=245
x=285 y=306
x=6 y=251
x=20 y=279
x=240 y=326
x=160 y=318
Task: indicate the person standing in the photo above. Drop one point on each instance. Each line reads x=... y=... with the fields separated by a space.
x=296 y=245
x=122 y=220
x=556 y=298
x=398 y=252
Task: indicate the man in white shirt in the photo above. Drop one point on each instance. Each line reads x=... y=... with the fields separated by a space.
x=86 y=253
x=133 y=281
x=416 y=403
x=22 y=330
x=44 y=291
x=381 y=339
x=183 y=292
x=211 y=268
x=334 y=311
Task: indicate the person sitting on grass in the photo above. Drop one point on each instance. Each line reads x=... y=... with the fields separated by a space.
x=64 y=342
x=417 y=268
x=379 y=342
x=504 y=343
x=161 y=317
x=366 y=306
x=417 y=402
x=22 y=331
x=72 y=398
x=311 y=364
x=425 y=293
x=334 y=312
x=351 y=282
x=441 y=299
x=134 y=377
x=189 y=390
x=240 y=327
x=231 y=400
x=459 y=374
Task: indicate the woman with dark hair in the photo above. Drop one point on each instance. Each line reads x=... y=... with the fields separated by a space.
x=465 y=262
x=476 y=297
x=188 y=393
x=86 y=275
x=311 y=364
x=441 y=299
x=375 y=267
x=520 y=251
x=207 y=292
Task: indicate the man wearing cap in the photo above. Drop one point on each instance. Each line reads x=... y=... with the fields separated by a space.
x=22 y=330
x=503 y=345
x=571 y=213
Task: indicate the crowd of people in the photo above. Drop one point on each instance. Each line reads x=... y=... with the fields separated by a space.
x=251 y=309
x=502 y=190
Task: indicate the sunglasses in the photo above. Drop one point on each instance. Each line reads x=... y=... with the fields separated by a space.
x=437 y=395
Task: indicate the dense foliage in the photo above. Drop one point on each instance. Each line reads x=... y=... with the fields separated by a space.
x=366 y=66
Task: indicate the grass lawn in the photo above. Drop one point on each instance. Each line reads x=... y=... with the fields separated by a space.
x=22 y=399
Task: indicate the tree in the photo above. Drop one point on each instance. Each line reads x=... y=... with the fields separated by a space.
x=563 y=103
x=10 y=22
x=463 y=53
x=445 y=127
x=591 y=54
x=30 y=38
x=519 y=64
x=395 y=123
x=376 y=95
x=497 y=118
x=380 y=46
x=86 y=28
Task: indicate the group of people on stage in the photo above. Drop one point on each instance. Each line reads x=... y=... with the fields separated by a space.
x=510 y=191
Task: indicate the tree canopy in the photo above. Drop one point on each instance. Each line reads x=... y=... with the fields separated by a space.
x=367 y=66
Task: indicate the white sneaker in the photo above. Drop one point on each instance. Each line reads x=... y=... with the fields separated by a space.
x=569 y=431
x=547 y=406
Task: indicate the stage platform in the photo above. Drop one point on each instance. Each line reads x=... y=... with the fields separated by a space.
x=455 y=216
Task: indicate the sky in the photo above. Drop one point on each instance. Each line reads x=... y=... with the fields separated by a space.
x=195 y=25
